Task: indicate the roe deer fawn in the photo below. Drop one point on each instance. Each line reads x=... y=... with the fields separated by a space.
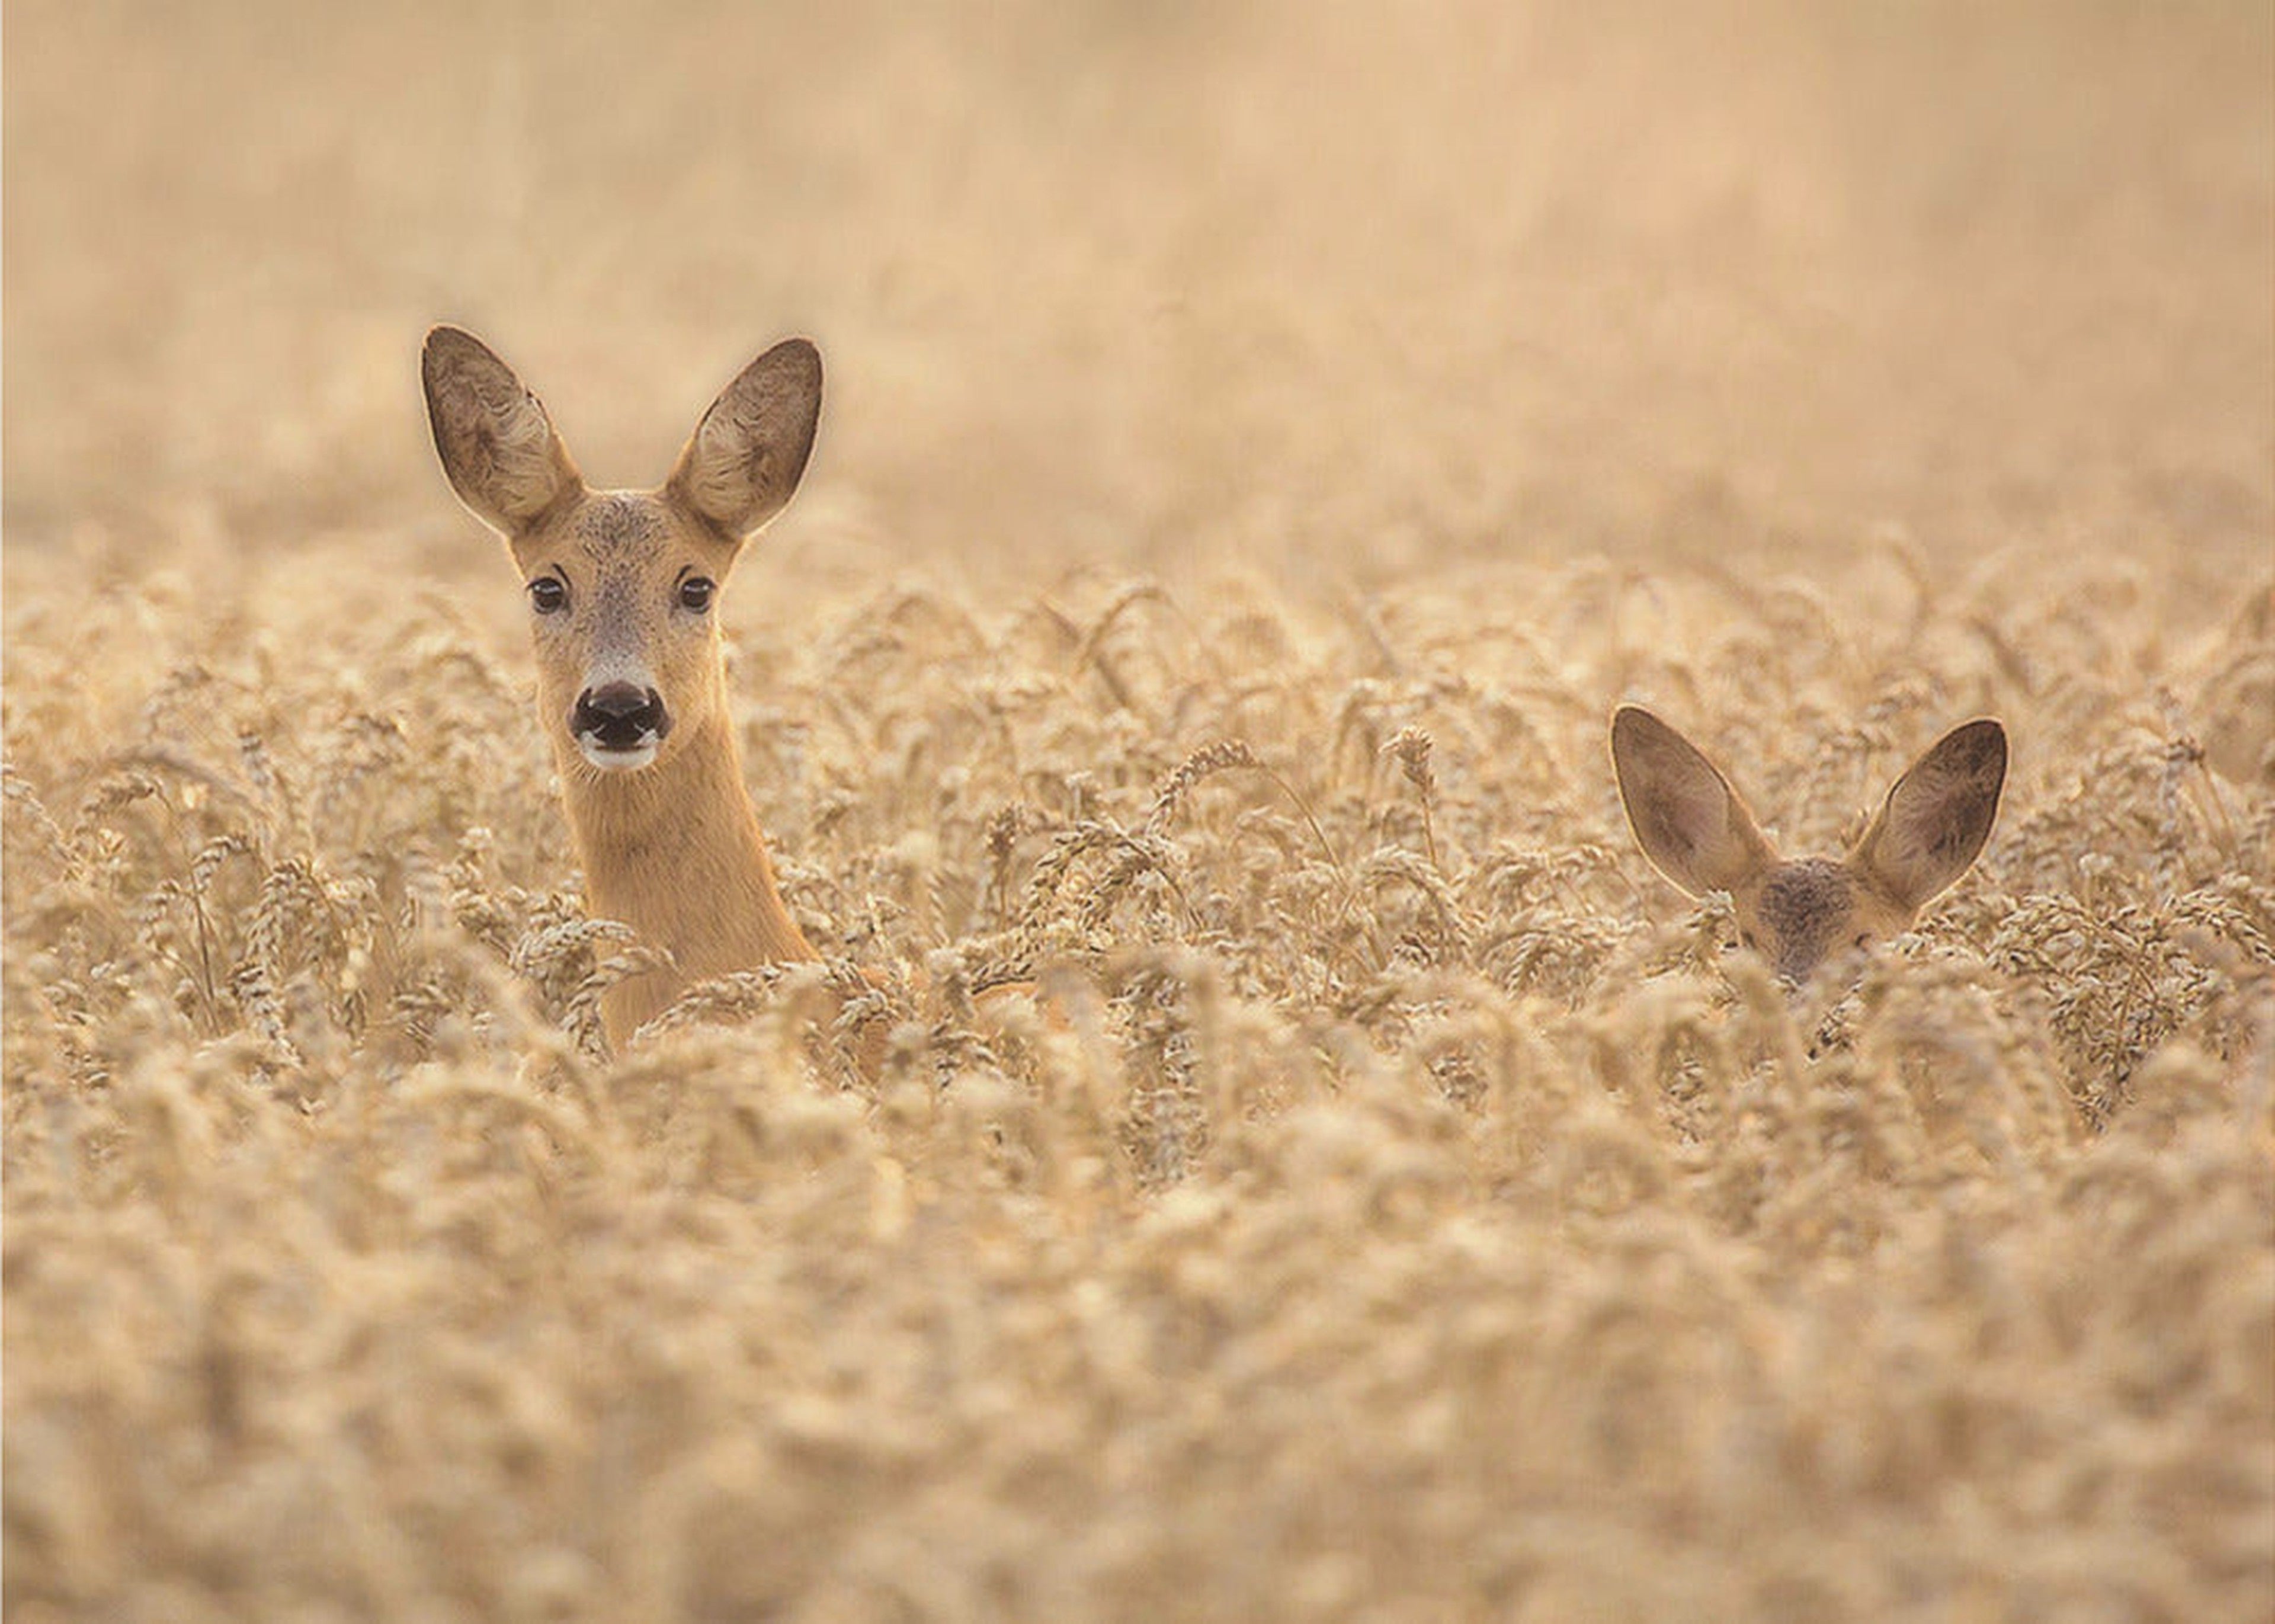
x=631 y=682
x=1698 y=832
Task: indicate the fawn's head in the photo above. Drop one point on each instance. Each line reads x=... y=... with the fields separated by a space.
x=1798 y=913
x=622 y=584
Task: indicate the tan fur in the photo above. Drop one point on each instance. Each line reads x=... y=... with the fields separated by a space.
x=497 y=443
x=671 y=848
x=1698 y=831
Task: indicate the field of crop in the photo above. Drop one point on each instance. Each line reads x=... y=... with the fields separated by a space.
x=1263 y=444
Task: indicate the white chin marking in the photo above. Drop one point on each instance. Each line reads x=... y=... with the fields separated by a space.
x=619 y=761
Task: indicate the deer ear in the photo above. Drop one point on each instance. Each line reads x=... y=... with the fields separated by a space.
x=496 y=441
x=1688 y=821
x=749 y=452
x=1934 y=822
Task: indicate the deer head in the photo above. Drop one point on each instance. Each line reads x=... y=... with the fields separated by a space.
x=1798 y=913
x=622 y=584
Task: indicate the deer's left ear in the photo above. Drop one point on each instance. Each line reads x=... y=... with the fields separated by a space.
x=497 y=446
x=749 y=452
x=1933 y=824
x=1691 y=823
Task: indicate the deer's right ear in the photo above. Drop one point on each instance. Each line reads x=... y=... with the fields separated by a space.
x=749 y=452
x=496 y=444
x=1687 y=818
x=1932 y=825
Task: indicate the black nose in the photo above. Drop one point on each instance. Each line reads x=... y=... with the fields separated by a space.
x=619 y=716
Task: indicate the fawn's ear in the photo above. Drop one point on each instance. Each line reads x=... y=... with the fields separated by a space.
x=497 y=443
x=1688 y=821
x=749 y=452
x=1936 y=818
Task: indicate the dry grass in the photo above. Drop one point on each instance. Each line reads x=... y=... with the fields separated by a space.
x=1421 y=1216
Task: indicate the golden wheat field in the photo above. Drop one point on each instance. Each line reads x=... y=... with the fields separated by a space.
x=1262 y=444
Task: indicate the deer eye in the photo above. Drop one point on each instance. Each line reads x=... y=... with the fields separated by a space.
x=547 y=596
x=695 y=593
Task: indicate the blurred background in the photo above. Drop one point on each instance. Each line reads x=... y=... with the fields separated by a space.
x=1341 y=291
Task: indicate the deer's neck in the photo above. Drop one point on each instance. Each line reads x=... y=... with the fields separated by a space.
x=675 y=852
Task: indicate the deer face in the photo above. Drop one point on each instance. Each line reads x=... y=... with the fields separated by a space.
x=623 y=585
x=1801 y=914
x=620 y=593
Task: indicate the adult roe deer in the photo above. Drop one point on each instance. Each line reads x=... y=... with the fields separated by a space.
x=632 y=680
x=1698 y=831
